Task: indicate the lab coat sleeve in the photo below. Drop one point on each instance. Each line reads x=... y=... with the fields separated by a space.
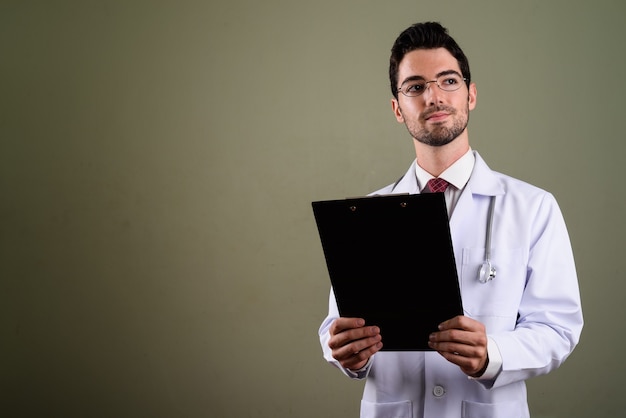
x=550 y=316
x=324 y=334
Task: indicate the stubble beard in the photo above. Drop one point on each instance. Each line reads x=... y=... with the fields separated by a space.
x=440 y=134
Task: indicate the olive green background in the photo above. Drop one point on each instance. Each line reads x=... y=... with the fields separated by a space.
x=158 y=254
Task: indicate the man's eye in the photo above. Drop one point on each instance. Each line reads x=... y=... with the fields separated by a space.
x=415 y=87
x=451 y=81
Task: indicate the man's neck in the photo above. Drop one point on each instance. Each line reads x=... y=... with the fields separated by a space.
x=436 y=160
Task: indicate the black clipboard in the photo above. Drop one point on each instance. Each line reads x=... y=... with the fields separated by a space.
x=390 y=261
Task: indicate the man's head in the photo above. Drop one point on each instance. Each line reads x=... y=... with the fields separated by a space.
x=428 y=35
x=436 y=96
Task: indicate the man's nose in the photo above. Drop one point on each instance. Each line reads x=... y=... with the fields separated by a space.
x=431 y=92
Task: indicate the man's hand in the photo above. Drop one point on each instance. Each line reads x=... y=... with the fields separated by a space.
x=352 y=343
x=462 y=341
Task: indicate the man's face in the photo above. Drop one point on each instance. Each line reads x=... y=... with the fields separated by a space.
x=436 y=117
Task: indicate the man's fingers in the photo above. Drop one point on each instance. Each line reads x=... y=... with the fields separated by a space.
x=356 y=348
x=352 y=343
x=470 y=338
x=354 y=360
x=342 y=324
x=460 y=349
x=462 y=322
x=351 y=336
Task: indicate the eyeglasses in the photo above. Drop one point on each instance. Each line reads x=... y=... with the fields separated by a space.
x=446 y=82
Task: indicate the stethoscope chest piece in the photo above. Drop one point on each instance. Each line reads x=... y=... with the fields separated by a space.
x=487 y=272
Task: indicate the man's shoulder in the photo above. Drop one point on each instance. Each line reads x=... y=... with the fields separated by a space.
x=522 y=194
x=517 y=186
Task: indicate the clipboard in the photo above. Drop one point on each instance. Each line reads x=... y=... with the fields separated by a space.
x=391 y=262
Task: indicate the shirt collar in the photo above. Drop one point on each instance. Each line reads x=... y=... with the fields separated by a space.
x=457 y=174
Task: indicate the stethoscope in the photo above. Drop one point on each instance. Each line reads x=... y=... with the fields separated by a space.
x=487 y=271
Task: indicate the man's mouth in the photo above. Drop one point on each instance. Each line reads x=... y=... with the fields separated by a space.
x=437 y=116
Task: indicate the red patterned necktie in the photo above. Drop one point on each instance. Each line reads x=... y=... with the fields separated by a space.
x=437 y=185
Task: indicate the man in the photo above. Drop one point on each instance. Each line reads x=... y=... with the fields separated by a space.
x=524 y=322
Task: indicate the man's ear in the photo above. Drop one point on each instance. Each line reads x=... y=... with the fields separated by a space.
x=397 y=112
x=472 y=96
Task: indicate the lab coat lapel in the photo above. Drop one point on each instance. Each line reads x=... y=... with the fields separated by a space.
x=482 y=184
x=483 y=181
x=408 y=182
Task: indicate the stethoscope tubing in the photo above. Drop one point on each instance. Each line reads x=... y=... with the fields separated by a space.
x=487 y=272
x=492 y=203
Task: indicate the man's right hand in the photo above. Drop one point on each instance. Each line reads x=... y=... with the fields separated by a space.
x=352 y=343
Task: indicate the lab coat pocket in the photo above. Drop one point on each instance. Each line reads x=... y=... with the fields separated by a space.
x=386 y=410
x=499 y=297
x=511 y=409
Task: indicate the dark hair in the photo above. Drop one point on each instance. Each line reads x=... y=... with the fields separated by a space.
x=427 y=35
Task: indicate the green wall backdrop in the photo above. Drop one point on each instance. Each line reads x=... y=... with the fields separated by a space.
x=158 y=254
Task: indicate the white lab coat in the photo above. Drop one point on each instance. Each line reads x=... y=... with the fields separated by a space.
x=531 y=310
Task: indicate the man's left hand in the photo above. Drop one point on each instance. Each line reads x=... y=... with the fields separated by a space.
x=462 y=341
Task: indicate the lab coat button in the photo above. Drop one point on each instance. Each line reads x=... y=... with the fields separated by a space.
x=438 y=391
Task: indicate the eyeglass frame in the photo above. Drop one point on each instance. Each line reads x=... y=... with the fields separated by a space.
x=426 y=83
